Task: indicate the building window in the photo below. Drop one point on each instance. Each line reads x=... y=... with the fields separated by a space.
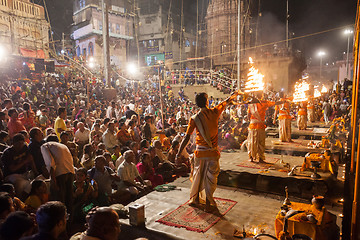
x=187 y=43
x=117 y=28
x=81 y=4
x=84 y=52
x=100 y=25
x=78 y=51
x=151 y=43
x=223 y=48
x=91 y=49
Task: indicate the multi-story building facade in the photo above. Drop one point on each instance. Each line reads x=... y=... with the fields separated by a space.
x=87 y=30
x=166 y=33
x=24 y=30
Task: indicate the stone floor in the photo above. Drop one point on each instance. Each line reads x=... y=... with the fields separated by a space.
x=252 y=210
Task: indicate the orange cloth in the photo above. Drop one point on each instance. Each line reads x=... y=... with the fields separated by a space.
x=284 y=110
x=296 y=224
x=302 y=111
x=261 y=109
x=211 y=117
x=15 y=126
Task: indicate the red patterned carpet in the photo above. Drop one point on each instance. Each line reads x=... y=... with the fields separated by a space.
x=196 y=219
x=269 y=162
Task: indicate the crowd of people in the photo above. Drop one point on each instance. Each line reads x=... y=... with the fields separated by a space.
x=66 y=148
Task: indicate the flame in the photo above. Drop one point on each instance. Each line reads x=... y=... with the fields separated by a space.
x=255 y=79
x=300 y=91
x=324 y=89
x=317 y=93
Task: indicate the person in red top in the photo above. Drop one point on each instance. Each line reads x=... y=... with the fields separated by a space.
x=284 y=121
x=256 y=137
x=27 y=117
x=206 y=166
x=123 y=136
x=14 y=125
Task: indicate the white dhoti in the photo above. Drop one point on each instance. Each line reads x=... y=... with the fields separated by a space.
x=204 y=179
x=302 y=122
x=311 y=115
x=285 y=130
x=256 y=144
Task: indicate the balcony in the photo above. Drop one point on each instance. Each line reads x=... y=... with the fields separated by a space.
x=89 y=30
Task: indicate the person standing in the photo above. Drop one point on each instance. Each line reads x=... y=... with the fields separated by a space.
x=60 y=125
x=302 y=116
x=59 y=163
x=311 y=111
x=327 y=111
x=256 y=137
x=284 y=121
x=206 y=163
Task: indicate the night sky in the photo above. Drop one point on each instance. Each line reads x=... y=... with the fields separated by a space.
x=306 y=17
x=312 y=16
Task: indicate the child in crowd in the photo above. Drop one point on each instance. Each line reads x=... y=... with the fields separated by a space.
x=38 y=195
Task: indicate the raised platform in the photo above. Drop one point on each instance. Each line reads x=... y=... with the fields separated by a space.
x=309 y=134
x=238 y=172
x=299 y=147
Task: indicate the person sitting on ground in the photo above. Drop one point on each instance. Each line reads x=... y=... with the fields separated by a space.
x=134 y=146
x=116 y=153
x=147 y=172
x=181 y=163
x=73 y=147
x=129 y=174
x=144 y=146
x=84 y=192
x=102 y=223
x=4 y=139
x=14 y=124
x=18 y=204
x=6 y=206
x=109 y=137
x=17 y=161
x=82 y=135
x=121 y=158
x=109 y=162
x=17 y=225
x=38 y=195
x=96 y=134
x=165 y=167
x=104 y=178
x=51 y=219
x=123 y=136
x=87 y=160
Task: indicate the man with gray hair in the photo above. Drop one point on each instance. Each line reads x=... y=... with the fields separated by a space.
x=129 y=174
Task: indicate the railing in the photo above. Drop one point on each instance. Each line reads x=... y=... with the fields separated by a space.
x=214 y=79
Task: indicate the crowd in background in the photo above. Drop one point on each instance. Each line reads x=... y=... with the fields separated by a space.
x=62 y=140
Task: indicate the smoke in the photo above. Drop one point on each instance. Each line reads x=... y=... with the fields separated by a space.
x=271 y=29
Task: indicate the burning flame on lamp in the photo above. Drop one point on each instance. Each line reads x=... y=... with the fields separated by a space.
x=255 y=79
x=300 y=91
x=324 y=89
x=317 y=93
